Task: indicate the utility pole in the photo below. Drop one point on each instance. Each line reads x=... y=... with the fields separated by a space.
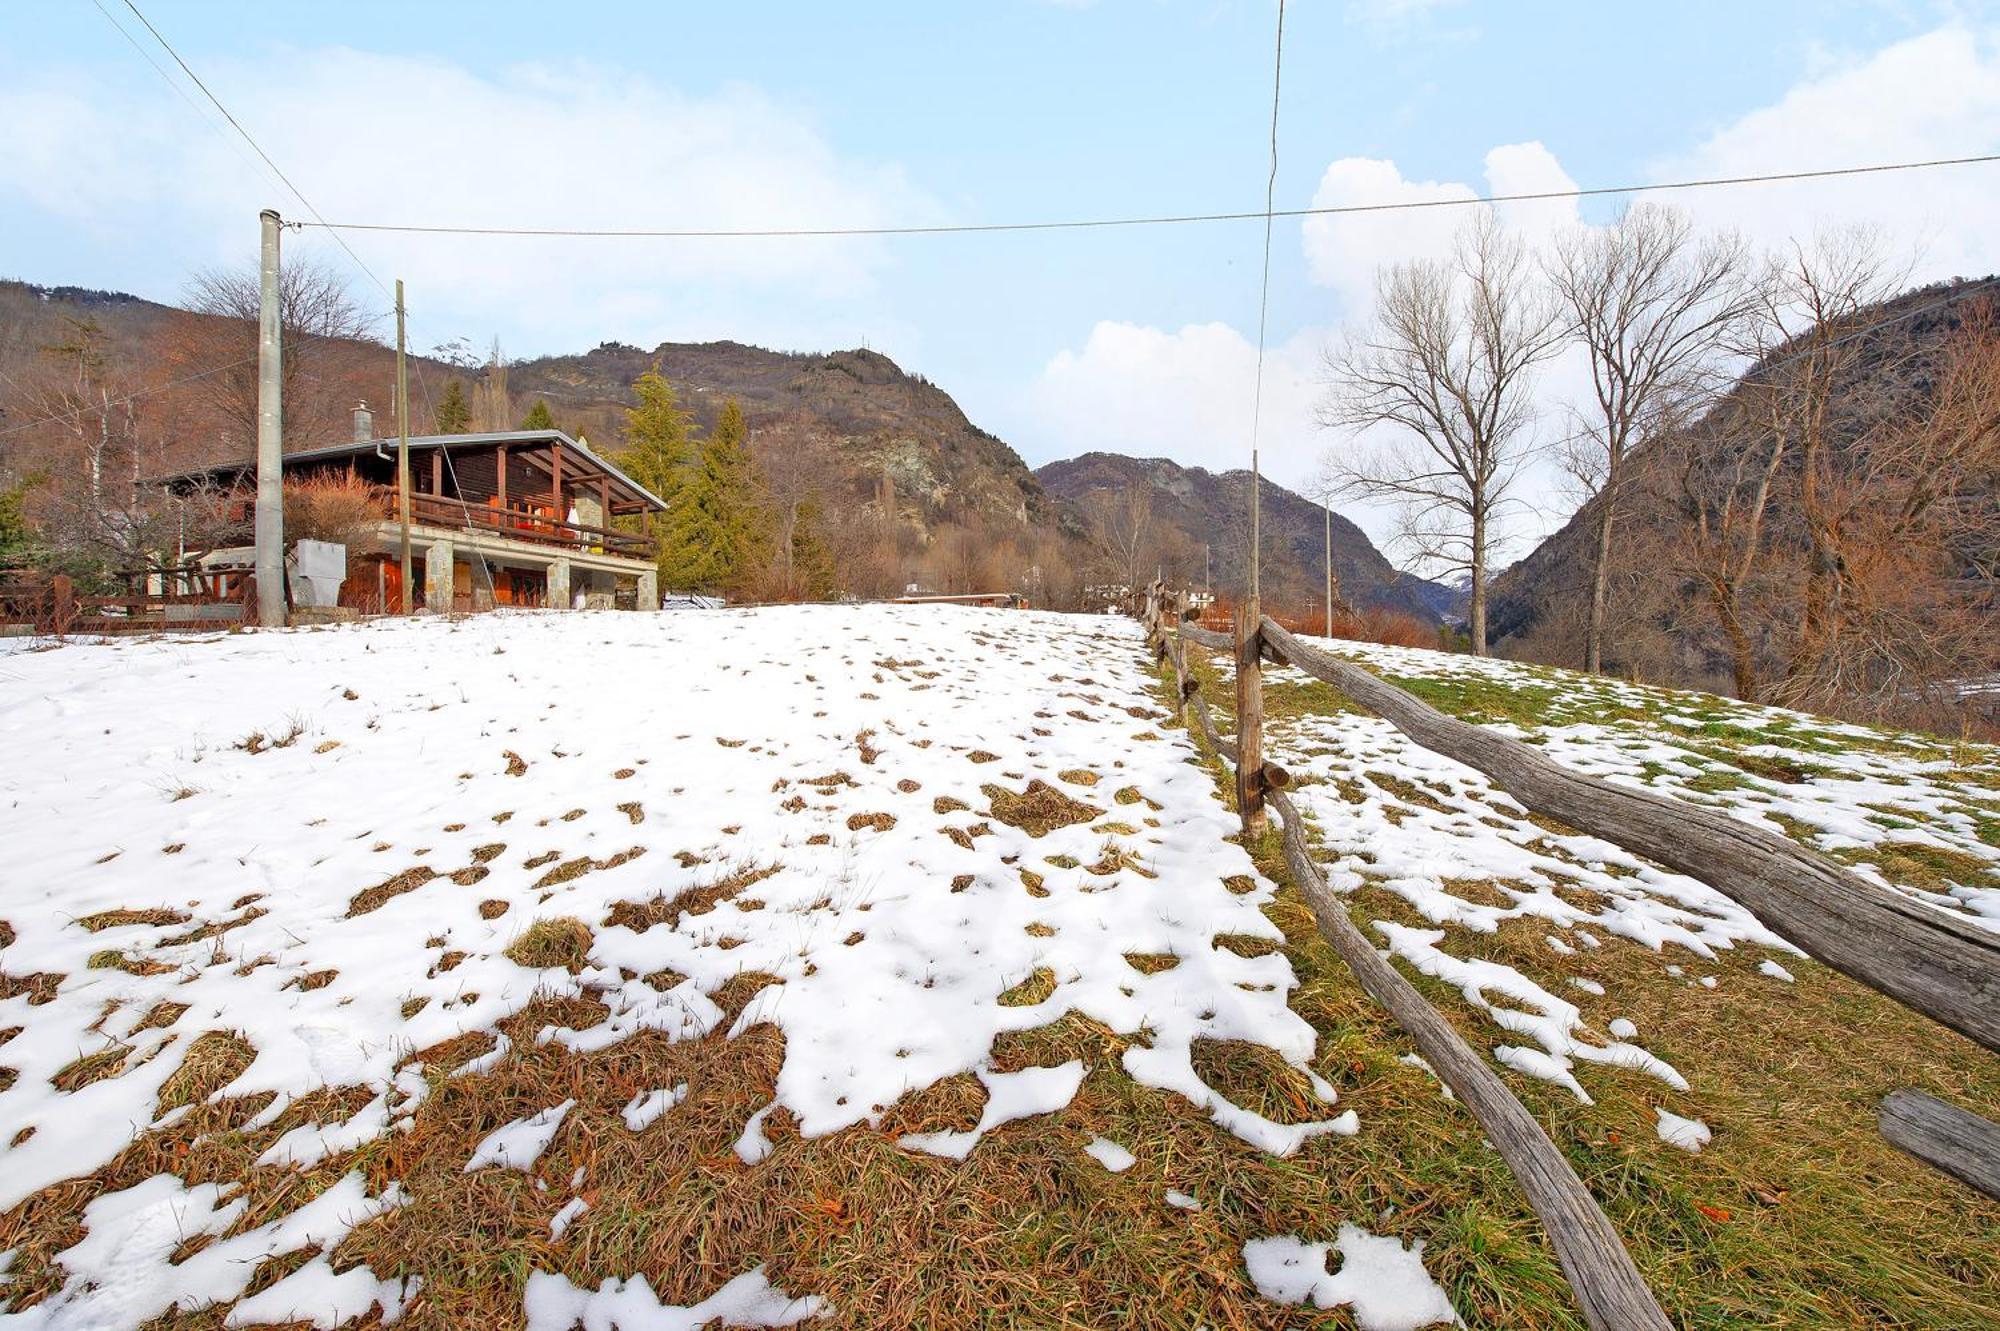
x=1327 y=508
x=270 y=562
x=403 y=450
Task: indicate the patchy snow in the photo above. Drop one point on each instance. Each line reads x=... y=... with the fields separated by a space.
x=753 y=1146
x=1009 y=1096
x=519 y=1144
x=552 y=1303
x=119 y=1273
x=1383 y=1282
x=1690 y=1134
x=1110 y=1154
x=1467 y=858
x=1181 y=1200
x=469 y=761
x=648 y=1106
x=560 y=1222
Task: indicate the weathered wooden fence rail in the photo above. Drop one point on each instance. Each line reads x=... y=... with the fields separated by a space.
x=1609 y=1290
x=1924 y=958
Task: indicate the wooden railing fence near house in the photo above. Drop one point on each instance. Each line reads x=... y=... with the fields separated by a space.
x=1924 y=958
x=526 y=523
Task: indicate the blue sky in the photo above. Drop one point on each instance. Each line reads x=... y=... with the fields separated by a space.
x=631 y=114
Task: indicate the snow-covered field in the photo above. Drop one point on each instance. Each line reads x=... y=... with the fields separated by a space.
x=259 y=873
x=322 y=844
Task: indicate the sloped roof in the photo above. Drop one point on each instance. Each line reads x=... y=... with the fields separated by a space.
x=425 y=442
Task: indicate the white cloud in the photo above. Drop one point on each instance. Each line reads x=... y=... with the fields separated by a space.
x=1185 y=394
x=1344 y=251
x=1935 y=95
x=378 y=137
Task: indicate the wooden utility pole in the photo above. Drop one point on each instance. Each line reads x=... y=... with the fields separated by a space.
x=270 y=537
x=1250 y=719
x=403 y=450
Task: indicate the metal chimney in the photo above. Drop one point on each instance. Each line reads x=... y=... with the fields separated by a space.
x=364 y=423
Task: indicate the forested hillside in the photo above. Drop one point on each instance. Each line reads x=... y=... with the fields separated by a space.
x=1827 y=533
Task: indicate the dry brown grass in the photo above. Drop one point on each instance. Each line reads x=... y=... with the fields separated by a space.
x=79 y=1072
x=879 y=822
x=640 y=916
x=1038 y=809
x=561 y=941
x=380 y=895
x=113 y=919
x=215 y=1059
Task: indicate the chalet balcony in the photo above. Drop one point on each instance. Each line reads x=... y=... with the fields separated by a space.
x=522 y=522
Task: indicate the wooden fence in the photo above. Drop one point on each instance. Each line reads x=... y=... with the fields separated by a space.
x=1924 y=958
x=211 y=601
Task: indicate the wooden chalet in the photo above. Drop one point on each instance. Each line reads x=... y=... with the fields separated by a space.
x=516 y=518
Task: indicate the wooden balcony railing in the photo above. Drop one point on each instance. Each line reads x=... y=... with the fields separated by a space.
x=519 y=523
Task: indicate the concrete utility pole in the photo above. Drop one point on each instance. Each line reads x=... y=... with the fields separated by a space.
x=270 y=562
x=403 y=450
x=1327 y=508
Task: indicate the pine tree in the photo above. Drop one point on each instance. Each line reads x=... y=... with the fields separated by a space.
x=454 y=413
x=538 y=417
x=659 y=435
x=812 y=562
x=715 y=533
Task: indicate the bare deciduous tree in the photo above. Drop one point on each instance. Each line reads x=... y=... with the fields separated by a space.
x=1121 y=521
x=1654 y=310
x=318 y=320
x=1448 y=372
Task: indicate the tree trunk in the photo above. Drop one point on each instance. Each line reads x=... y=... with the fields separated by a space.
x=1478 y=610
x=1593 y=651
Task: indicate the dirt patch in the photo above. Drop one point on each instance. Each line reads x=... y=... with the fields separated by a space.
x=982 y=756
x=492 y=910
x=881 y=822
x=1151 y=963
x=1080 y=776
x=945 y=804
x=1039 y=809
x=516 y=765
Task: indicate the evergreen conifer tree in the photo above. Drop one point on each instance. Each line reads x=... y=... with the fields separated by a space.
x=538 y=417
x=715 y=531
x=454 y=413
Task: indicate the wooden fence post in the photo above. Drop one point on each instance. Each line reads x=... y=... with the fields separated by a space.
x=62 y=605
x=1250 y=719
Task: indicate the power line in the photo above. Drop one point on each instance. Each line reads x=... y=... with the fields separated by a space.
x=1165 y=219
x=254 y=145
x=1263 y=309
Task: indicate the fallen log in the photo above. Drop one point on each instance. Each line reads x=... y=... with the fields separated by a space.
x=1945 y=1137
x=1611 y=1293
x=1609 y=1289
x=1922 y=957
